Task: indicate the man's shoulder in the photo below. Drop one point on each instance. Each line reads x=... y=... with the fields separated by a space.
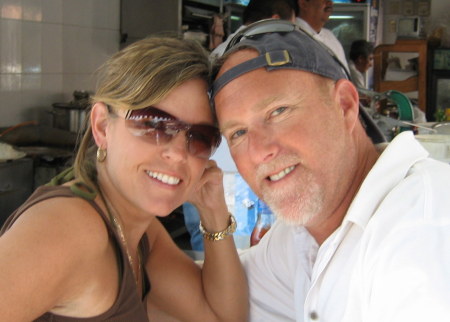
x=324 y=32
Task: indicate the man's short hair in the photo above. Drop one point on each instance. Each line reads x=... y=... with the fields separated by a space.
x=263 y=9
x=360 y=48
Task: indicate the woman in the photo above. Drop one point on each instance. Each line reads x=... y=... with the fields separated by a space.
x=91 y=249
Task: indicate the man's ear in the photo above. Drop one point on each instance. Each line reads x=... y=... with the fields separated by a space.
x=347 y=98
x=99 y=122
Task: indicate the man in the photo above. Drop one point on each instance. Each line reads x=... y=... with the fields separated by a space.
x=313 y=15
x=361 y=59
x=363 y=231
x=257 y=10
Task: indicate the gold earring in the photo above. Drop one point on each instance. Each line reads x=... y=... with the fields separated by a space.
x=101 y=154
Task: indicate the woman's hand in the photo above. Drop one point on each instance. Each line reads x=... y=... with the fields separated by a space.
x=209 y=197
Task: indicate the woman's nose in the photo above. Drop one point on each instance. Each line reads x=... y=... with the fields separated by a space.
x=176 y=149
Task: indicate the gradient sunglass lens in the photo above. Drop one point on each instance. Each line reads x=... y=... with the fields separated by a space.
x=160 y=127
x=203 y=140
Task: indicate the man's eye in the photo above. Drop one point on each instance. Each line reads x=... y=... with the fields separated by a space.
x=237 y=134
x=278 y=111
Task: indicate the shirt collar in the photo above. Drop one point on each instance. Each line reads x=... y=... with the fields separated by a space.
x=305 y=26
x=392 y=166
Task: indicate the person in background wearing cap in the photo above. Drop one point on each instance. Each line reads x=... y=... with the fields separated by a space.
x=312 y=16
x=363 y=230
x=361 y=59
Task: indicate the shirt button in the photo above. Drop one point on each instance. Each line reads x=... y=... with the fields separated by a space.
x=313 y=315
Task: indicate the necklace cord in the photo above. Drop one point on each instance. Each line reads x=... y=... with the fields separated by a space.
x=119 y=230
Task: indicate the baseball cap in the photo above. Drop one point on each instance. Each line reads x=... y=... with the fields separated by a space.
x=282 y=44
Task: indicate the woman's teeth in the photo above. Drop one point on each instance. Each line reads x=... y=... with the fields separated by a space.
x=164 y=178
x=281 y=174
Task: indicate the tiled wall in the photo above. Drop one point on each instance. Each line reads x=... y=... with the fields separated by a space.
x=48 y=49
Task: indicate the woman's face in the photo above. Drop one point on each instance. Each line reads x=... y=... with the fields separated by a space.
x=151 y=177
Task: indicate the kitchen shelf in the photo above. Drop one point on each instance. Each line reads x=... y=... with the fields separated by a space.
x=416 y=83
x=141 y=18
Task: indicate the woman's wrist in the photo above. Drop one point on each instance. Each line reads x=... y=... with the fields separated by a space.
x=219 y=235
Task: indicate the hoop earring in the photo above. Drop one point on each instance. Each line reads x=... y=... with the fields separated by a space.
x=101 y=154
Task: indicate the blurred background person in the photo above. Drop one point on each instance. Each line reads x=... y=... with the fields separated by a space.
x=312 y=17
x=361 y=59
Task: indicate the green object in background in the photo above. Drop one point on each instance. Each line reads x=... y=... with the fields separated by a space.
x=440 y=115
x=404 y=106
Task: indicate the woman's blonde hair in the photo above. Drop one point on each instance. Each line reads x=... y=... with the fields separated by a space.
x=138 y=76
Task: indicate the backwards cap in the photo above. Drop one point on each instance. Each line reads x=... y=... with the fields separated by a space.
x=281 y=45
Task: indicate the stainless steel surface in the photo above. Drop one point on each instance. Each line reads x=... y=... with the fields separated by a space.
x=71 y=116
x=45 y=151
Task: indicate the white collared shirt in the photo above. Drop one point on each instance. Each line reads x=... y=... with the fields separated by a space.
x=326 y=37
x=388 y=261
x=358 y=78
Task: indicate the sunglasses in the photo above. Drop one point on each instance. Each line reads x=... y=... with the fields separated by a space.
x=159 y=127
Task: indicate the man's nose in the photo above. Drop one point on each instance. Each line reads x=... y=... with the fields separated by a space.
x=262 y=145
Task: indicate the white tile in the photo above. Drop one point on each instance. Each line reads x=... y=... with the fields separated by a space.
x=10 y=46
x=52 y=86
x=32 y=10
x=52 y=52
x=31 y=47
x=76 y=49
x=31 y=102
x=106 y=14
x=31 y=82
x=52 y=11
x=73 y=82
x=10 y=83
x=78 y=12
x=84 y=49
x=104 y=44
x=11 y=9
x=10 y=108
x=113 y=21
x=29 y=110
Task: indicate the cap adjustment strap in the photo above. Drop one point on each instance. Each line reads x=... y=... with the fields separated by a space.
x=278 y=58
x=273 y=58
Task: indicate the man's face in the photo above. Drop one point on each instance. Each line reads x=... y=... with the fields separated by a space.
x=316 y=12
x=287 y=135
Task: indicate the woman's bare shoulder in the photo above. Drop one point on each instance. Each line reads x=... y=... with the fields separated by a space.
x=60 y=222
x=52 y=247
